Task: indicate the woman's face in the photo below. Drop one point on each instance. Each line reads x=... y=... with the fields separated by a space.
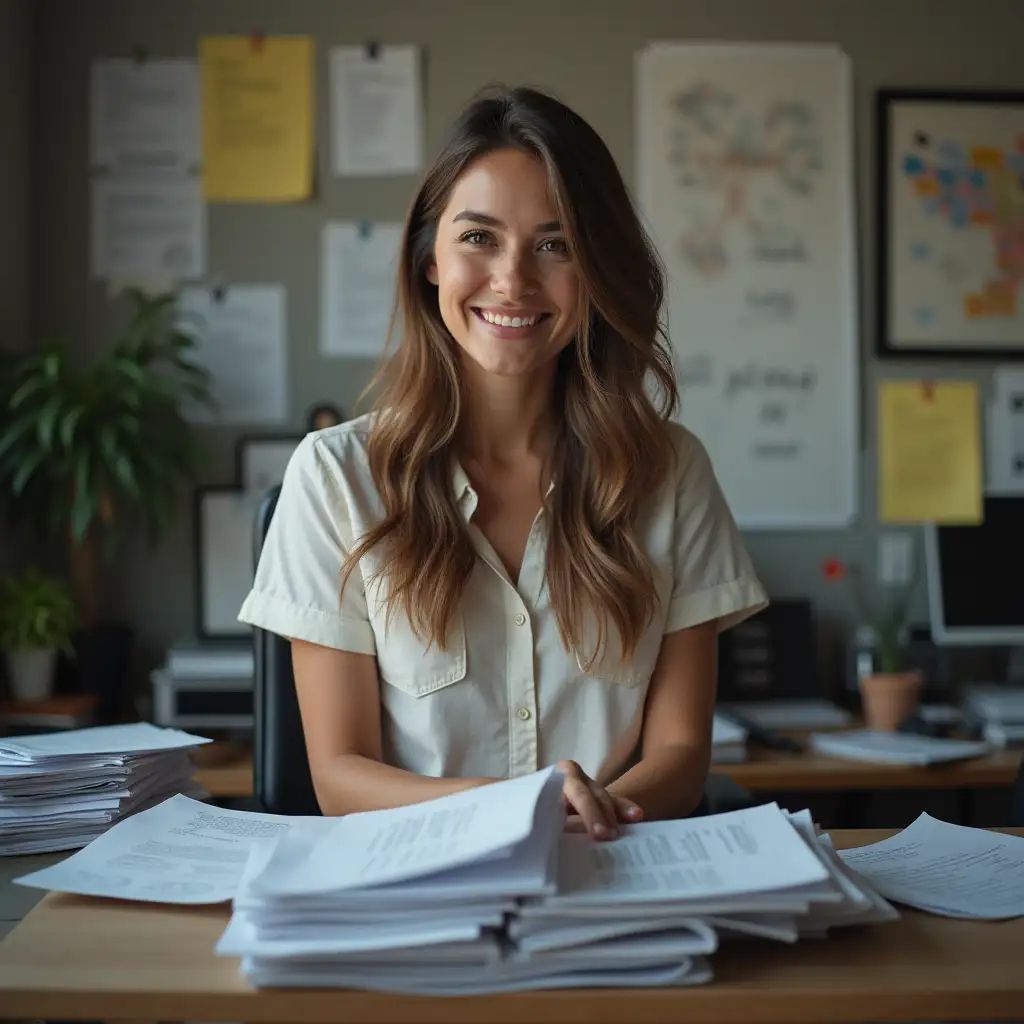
x=507 y=290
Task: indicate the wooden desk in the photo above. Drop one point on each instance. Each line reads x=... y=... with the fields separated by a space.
x=764 y=771
x=77 y=958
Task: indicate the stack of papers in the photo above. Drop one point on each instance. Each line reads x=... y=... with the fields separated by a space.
x=59 y=791
x=728 y=741
x=895 y=747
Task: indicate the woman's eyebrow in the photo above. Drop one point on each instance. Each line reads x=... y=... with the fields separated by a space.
x=493 y=222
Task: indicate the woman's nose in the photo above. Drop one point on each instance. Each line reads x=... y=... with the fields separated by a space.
x=512 y=275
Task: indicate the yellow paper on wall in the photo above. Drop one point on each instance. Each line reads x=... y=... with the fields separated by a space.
x=257 y=117
x=929 y=452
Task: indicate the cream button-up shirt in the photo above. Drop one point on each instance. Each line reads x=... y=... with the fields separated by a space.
x=505 y=698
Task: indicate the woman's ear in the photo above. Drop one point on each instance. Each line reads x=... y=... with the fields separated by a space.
x=432 y=272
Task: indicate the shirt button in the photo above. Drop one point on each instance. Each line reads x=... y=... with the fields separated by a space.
x=523 y=713
x=520 y=619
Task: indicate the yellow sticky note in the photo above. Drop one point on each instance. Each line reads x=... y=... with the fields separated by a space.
x=257 y=117
x=929 y=458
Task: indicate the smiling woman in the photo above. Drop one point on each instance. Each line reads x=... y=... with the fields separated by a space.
x=533 y=560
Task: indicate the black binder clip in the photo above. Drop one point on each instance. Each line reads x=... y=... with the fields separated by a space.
x=365 y=229
x=219 y=293
x=372 y=50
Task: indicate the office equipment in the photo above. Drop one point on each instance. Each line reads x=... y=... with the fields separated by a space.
x=929 y=464
x=946 y=869
x=777 y=410
x=202 y=703
x=769 y=657
x=790 y=713
x=769 y=739
x=975 y=574
x=60 y=791
x=995 y=711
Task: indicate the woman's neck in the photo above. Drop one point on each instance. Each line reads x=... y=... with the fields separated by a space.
x=505 y=419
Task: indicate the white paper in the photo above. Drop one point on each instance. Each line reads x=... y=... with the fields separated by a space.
x=145 y=230
x=357 y=287
x=405 y=843
x=130 y=738
x=1005 y=429
x=895 y=747
x=946 y=869
x=376 y=111
x=181 y=851
x=242 y=335
x=791 y=714
x=145 y=115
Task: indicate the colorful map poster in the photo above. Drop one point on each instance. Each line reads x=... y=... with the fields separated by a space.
x=952 y=229
x=745 y=174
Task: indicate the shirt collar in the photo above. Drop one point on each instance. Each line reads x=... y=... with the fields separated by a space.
x=465 y=493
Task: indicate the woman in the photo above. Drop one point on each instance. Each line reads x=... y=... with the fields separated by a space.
x=533 y=562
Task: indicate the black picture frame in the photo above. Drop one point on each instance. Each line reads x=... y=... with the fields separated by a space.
x=223 y=523
x=890 y=273
x=260 y=459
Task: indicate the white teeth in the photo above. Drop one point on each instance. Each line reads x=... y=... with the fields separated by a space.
x=509 y=321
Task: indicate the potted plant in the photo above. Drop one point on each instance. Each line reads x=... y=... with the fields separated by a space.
x=88 y=453
x=37 y=616
x=889 y=690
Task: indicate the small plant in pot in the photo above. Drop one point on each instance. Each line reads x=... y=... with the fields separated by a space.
x=37 y=619
x=89 y=453
x=891 y=691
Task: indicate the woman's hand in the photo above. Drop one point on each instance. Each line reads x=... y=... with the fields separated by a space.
x=591 y=807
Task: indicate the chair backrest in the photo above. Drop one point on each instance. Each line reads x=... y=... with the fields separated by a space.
x=281 y=779
x=1017 y=800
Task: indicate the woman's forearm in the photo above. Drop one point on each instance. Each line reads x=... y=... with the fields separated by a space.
x=667 y=783
x=351 y=782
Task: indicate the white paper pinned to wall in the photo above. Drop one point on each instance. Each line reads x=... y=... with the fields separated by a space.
x=1005 y=428
x=357 y=286
x=145 y=115
x=243 y=345
x=148 y=229
x=376 y=110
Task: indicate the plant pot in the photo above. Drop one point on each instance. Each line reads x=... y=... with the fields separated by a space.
x=31 y=673
x=888 y=697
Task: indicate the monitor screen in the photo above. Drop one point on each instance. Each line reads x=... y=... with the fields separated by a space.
x=976 y=577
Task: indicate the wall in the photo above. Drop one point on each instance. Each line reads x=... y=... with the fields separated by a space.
x=584 y=50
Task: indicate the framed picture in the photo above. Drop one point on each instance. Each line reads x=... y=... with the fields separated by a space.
x=260 y=461
x=950 y=254
x=225 y=559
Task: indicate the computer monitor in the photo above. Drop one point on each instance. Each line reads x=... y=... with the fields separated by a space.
x=976 y=577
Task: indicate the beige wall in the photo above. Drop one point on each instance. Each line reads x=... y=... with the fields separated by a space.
x=583 y=49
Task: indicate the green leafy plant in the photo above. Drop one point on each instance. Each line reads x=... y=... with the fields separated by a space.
x=36 y=611
x=84 y=452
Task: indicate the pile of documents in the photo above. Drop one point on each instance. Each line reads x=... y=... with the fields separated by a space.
x=484 y=891
x=61 y=790
x=895 y=747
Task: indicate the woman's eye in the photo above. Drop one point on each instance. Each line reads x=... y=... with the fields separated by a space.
x=554 y=245
x=475 y=237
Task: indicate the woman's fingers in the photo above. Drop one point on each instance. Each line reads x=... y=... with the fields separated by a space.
x=626 y=810
x=583 y=801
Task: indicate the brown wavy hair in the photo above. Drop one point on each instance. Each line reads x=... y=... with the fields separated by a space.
x=613 y=447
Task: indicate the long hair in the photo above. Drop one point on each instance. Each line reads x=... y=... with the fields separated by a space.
x=613 y=447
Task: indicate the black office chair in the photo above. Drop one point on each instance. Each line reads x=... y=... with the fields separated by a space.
x=281 y=780
x=1017 y=800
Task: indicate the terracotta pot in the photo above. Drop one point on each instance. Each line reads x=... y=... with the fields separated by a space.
x=888 y=697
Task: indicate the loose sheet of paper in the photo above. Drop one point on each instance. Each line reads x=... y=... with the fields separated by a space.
x=243 y=344
x=946 y=869
x=257 y=97
x=376 y=110
x=181 y=851
x=1005 y=423
x=929 y=465
x=144 y=116
x=146 y=229
x=357 y=287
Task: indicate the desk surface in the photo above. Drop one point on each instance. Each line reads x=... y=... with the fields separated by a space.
x=76 y=958
x=763 y=771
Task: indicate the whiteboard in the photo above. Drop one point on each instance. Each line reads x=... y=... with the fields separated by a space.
x=745 y=183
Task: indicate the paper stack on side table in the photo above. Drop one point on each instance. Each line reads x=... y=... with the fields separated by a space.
x=59 y=791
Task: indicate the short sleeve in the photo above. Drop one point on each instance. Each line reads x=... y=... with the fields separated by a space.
x=296 y=591
x=713 y=577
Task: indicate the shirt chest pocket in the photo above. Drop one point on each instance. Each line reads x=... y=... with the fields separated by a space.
x=411 y=663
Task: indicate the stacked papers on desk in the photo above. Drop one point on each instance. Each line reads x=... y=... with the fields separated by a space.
x=59 y=791
x=895 y=747
x=483 y=892
x=728 y=741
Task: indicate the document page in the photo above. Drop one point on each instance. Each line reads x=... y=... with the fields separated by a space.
x=946 y=869
x=181 y=851
x=748 y=851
